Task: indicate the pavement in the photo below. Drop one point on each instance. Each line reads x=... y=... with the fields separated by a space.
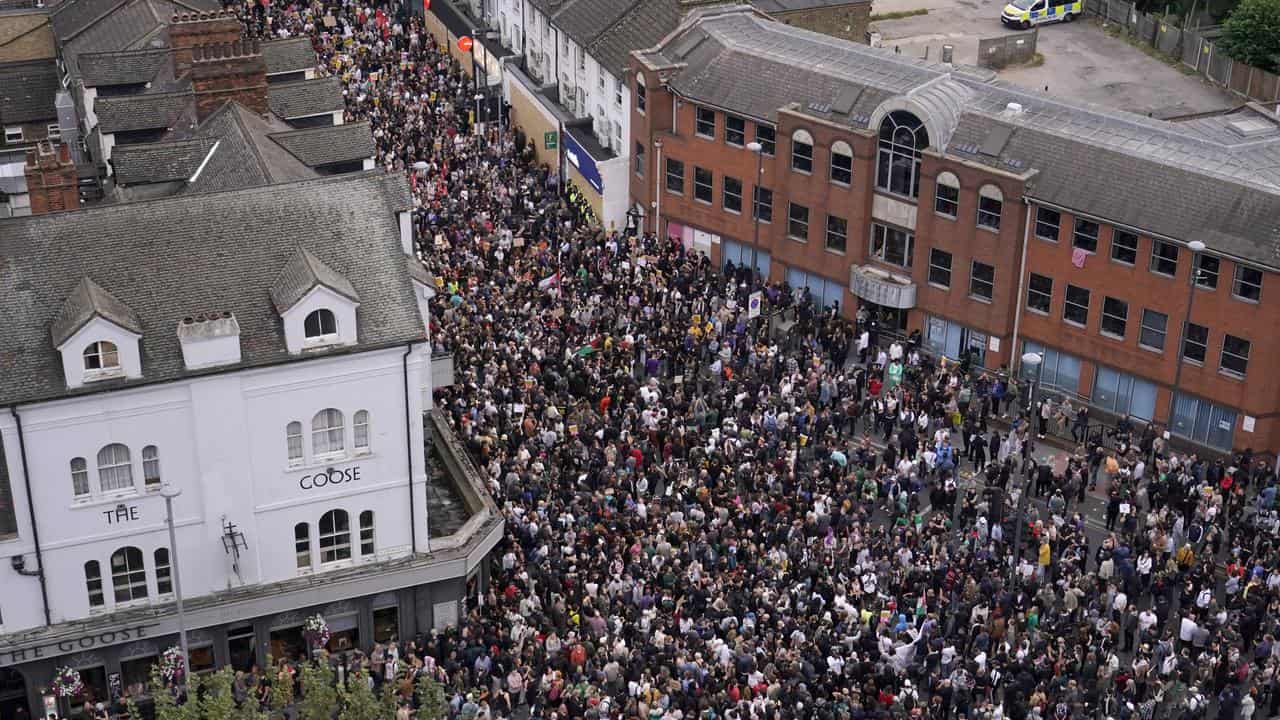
x=1081 y=61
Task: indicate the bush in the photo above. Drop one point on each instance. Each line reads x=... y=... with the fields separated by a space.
x=1253 y=33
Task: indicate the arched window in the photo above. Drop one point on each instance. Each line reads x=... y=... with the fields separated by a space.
x=366 y=533
x=79 y=477
x=101 y=355
x=302 y=544
x=946 y=199
x=335 y=536
x=320 y=323
x=293 y=440
x=115 y=472
x=990 y=203
x=902 y=138
x=164 y=572
x=128 y=574
x=93 y=583
x=360 y=430
x=802 y=151
x=326 y=433
x=841 y=163
x=150 y=467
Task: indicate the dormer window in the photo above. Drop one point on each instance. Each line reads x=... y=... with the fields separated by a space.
x=102 y=355
x=321 y=325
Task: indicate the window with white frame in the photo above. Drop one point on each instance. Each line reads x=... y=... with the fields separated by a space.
x=732 y=200
x=1164 y=258
x=766 y=135
x=798 y=222
x=335 y=537
x=79 y=477
x=1155 y=326
x=703 y=185
x=706 y=125
x=837 y=233
x=367 y=546
x=1048 y=223
x=841 y=163
x=1235 y=355
x=1039 y=293
x=939 y=268
x=93 y=584
x=892 y=245
x=128 y=575
x=1115 y=316
x=1124 y=247
x=982 y=280
x=302 y=545
x=1086 y=235
x=641 y=94
x=1195 y=343
x=802 y=151
x=164 y=572
x=150 y=467
x=293 y=441
x=735 y=130
x=360 y=431
x=903 y=138
x=320 y=324
x=101 y=355
x=54 y=132
x=13 y=134
x=1075 y=306
x=946 y=199
x=1207 y=268
x=617 y=93
x=327 y=433
x=990 y=205
x=1247 y=284
x=115 y=471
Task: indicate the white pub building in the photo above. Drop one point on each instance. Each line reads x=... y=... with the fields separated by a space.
x=263 y=353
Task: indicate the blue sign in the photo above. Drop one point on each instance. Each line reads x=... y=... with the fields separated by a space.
x=580 y=159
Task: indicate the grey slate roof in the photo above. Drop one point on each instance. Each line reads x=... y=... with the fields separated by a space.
x=246 y=156
x=142 y=112
x=94 y=26
x=301 y=274
x=642 y=27
x=28 y=91
x=289 y=55
x=584 y=20
x=159 y=162
x=1181 y=183
x=303 y=98
x=223 y=251
x=85 y=302
x=326 y=145
x=128 y=67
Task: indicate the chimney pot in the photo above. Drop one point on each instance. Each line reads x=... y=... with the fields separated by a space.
x=188 y=320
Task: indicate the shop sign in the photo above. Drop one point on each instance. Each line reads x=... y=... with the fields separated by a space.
x=549 y=140
x=330 y=476
x=80 y=644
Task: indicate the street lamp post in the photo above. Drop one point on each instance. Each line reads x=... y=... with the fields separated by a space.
x=478 y=97
x=758 y=150
x=1196 y=248
x=1036 y=361
x=170 y=491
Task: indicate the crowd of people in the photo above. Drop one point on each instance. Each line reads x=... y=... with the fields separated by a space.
x=712 y=515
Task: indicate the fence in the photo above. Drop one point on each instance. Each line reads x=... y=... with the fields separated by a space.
x=1006 y=50
x=1195 y=47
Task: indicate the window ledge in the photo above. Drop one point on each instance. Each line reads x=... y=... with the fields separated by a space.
x=1122 y=263
x=798 y=239
x=839 y=183
x=945 y=216
x=1192 y=362
x=100 y=500
x=1047 y=239
x=1245 y=300
x=895 y=196
x=1232 y=374
x=834 y=251
x=321 y=341
x=1074 y=324
x=1111 y=336
x=734 y=144
x=798 y=171
x=1077 y=247
x=103 y=374
x=945 y=288
x=1042 y=313
x=1166 y=276
x=1148 y=348
x=673 y=192
x=700 y=201
x=700 y=136
x=988 y=228
x=732 y=212
x=12 y=537
x=979 y=298
x=328 y=461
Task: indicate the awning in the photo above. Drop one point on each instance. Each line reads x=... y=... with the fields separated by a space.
x=882 y=287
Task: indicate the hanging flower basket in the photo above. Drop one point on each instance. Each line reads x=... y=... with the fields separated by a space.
x=172 y=668
x=316 y=631
x=67 y=683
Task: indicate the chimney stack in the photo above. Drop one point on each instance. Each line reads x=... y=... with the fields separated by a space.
x=52 y=182
x=229 y=71
x=187 y=30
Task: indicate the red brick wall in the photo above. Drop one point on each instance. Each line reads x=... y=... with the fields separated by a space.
x=51 y=179
x=188 y=30
x=234 y=71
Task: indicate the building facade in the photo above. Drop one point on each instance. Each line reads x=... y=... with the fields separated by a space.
x=993 y=221
x=286 y=397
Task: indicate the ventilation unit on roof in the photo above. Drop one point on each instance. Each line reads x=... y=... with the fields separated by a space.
x=1252 y=127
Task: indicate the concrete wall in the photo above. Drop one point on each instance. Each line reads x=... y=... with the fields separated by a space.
x=847 y=21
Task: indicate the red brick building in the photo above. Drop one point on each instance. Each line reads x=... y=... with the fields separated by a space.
x=990 y=218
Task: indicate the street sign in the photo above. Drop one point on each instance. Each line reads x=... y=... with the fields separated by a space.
x=549 y=140
x=753 y=305
x=465 y=43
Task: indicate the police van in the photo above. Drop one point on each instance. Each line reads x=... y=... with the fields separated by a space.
x=1025 y=13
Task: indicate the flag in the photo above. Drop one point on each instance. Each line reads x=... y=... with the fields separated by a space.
x=550 y=281
x=1077 y=257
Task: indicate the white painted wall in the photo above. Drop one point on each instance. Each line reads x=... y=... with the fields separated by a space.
x=222 y=440
x=319 y=298
x=97 y=329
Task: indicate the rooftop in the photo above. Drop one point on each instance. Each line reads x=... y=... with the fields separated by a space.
x=28 y=91
x=223 y=250
x=738 y=59
x=328 y=145
x=291 y=55
x=304 y=98
x=26 y=35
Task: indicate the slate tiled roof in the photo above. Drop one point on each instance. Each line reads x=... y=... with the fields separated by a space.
x=142 y=112
x=303 y=272
x=303 y=98
x=130 y=67
x=642 y=27
x=246 y=156
x=289 y=55
x=85 y=302
x=26 y=36
x=28 y=91
x=159 y=162
x=584 y=20
x=220 y=250
x=96 y=26
x=1141 y=172
x=327 y=145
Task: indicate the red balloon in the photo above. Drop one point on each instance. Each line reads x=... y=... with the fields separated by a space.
x=465 y=43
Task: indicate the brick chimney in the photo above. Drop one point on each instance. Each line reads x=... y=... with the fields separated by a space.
x=188 y=30
x=229 y=71
x=51 y=179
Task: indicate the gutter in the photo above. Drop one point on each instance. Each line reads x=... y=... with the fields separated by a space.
x=408 y=445
x=1022 y=286
x=35 y=526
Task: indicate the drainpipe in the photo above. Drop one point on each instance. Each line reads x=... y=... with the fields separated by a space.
x=524 y=53
x=408 y=445
x=657 y=186
x=1022 y=286
x=31 y=508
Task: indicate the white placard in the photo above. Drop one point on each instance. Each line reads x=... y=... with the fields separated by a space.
x=993 y=344
x=1247 y=425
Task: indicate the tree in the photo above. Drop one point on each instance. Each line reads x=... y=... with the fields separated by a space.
x=166 y=705
x=359 y=701
x=1252 y=33
x=319 y=696
x=215 y=701
x=432 y=704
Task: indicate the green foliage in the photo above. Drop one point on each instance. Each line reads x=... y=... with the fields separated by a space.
x=319 y=697
x=1253 y=33
x=432 y=703
x=166 y=706
x=359 y=701
x=215 y=701
x=281 y=690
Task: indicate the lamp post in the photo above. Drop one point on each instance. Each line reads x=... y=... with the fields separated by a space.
x=1036 y=361
x=478 y=97
x=170 y=491
x=758 y=149
x=1196 y=248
